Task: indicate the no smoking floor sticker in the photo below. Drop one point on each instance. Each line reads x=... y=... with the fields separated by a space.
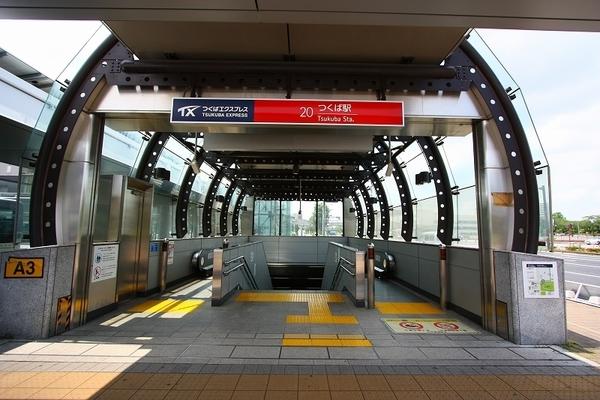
x=402 y=325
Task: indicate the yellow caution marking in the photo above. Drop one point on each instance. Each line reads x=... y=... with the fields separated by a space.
x=406 y=308
x=318 y=307
x=315 y=340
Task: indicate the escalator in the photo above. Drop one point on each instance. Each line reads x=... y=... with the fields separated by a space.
x=296 y=276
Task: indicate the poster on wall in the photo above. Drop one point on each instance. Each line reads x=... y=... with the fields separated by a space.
x=540 y=280
x=104 y=262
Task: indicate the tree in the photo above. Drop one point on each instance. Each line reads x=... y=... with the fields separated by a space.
x=560 y=223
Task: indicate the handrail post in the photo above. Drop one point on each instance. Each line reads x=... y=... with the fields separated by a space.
x=371 y=275
x=217 y=281
x=359 y=268
x=443 y=278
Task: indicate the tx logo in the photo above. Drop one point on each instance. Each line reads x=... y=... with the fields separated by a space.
x=187 y=111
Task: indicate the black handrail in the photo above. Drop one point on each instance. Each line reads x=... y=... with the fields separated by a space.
x=340 y=266
x=245 y=270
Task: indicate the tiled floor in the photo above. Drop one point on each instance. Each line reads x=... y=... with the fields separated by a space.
x=177 y=346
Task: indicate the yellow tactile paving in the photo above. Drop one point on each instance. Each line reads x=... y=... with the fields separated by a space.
x=406 y=308
x=318 y=307
x=316 y=340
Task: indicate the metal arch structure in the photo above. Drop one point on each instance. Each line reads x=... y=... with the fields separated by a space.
x=520 y=161
x=443 y=191
x=208 y=203
x=151 y=155
x=225 y=207
x=360 y=215
x=384 y=208
x=183 y=199
x=106 y=59
x=403 y=190
x=369 y=210
x=236 y=212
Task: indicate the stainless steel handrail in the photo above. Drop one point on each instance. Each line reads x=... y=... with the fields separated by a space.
x=352 y=249
x=229 y=271
x=340 y=266
x=245 y=270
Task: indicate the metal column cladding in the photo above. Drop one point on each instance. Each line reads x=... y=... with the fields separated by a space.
x=403 y=189
x=359 y=214
x=151 y=155
x=208 y=203
x=370 y=213
x=525 y=193
x=236 y=212
x=442 y=189
x=225 y=208
x=105 y=60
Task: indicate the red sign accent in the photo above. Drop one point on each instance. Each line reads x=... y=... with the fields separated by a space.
x=329 y=112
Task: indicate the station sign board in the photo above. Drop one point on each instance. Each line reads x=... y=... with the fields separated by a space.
x=287 y=112
x=19 y=267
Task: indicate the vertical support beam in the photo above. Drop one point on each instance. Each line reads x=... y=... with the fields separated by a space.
x=225 y=207
x=208 y=203
x=183 y=199
x=384 y=208
x=360 y=216
x=442 y=189
x=484 y=227
x=235 y=219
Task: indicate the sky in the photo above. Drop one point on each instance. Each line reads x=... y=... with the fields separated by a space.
x=558 y=73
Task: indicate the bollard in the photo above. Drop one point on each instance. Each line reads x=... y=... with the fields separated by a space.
x=371 y=275
x=443 y=278
x=162 y=265
x=225 y=243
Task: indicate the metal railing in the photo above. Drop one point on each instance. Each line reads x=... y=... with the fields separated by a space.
x=582 y=290
x=245 y=270
x=338 y=270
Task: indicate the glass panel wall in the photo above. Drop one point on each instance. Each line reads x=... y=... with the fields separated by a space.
x=266 y=217
x=9 y=181
x=330 y=219
x=121 y=151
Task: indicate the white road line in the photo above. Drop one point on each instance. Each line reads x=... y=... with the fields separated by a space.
x=577 y=273
x=583 y=265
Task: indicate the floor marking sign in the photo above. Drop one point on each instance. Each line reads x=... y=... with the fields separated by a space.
x=440 y=326
x=18 y=267
x=324 y=340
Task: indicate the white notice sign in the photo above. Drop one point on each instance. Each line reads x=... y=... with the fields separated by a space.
x=104 y=262
x=540 y=280
x=171 y=252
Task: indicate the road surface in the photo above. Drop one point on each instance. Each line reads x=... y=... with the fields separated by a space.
x=581 y=268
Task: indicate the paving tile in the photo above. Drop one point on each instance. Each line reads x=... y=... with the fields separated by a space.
x=256 y=352
x=40 y=380
x=411 y=395
x=148 y=394
x=506 y=395
x=520 y=382
x=462 y=382
x=342 y=382
x=222 y=382
x=50 y=394
x=116 y=394
x=182 y=395
x=534 y=353
x=474 y=395
x=493 y=353
x=19 y=393
x=402 y=382
x=209 y=351
x=130 y=380
x=283 y=382
x=25 y=348
x=539 y=395
x=215 y=395
x=378 y=395
x=65 y=349
x=304 y=352
x=312 y=382
x=162 y=381
x=346 y=395
x=121 y=350
x=281 y=395
x=314 y=395
x=570 y=395
x=252 y=382
x=442 y=395
x=349 y=353
x=372 y=382
x=443 y=353
x=192 y=382
x=248 y=395
x=82 y=394
x=99 y=380
x=160 y=350
x=400 y=353
x=490 y=382
x=432 y=382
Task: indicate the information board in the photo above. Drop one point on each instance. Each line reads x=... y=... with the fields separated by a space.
x=287 y=112
x=540 y=280
x=170 y=252
x=105 y=261
x=20 y=267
